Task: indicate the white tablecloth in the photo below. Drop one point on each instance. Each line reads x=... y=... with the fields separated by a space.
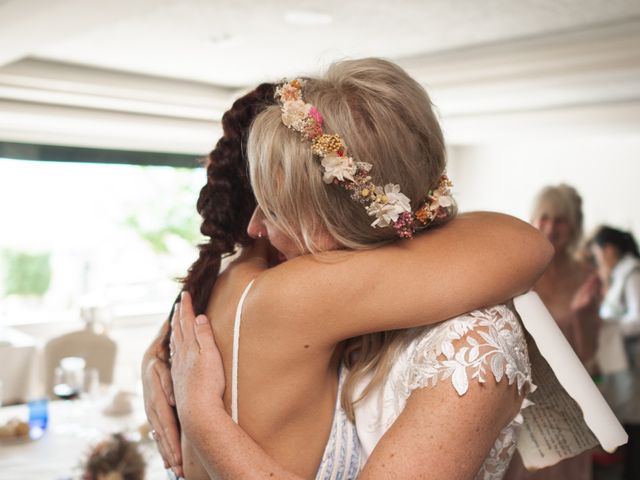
x=74 y=426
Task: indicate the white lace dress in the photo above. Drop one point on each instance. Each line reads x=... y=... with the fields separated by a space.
x=490 y=341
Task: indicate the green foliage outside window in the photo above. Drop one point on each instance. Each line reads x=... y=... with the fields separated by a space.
x=26 y=273
x=173 y=213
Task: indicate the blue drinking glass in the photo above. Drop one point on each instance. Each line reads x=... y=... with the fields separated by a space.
x=38 y=417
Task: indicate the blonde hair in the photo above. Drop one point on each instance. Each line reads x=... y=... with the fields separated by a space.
x=561 y=201
x=386 y=119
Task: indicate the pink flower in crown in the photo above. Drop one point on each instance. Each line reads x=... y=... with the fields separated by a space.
x=311 y=129
x=315 y=114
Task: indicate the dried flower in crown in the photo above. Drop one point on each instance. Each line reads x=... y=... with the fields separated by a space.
x=389 y=206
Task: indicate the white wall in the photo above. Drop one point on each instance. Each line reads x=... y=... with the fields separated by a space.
x=506 y=177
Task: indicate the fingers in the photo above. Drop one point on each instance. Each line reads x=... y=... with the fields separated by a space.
x=161 y=445
x=163 y=421
x=186 y=304
x=204 y=333
x=170 y=435
x=176 y=330
x=161 y=415
x=184 y=322
x=164 y=375
x=178 y=471
x=186 y=317
x=593 y=290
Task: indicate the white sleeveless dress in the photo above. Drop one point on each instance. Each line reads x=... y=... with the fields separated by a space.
x=490 y=341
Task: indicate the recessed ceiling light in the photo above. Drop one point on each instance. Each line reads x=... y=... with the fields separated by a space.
x=307 y=17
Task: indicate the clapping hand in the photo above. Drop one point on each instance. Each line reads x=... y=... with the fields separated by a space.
x=587 y=298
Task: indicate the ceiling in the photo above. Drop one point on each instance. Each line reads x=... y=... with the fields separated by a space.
x=157 y=74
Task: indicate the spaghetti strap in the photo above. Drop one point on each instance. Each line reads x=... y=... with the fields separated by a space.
x=236 y=348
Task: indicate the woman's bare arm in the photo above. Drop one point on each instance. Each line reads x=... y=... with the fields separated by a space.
x=440 y=436
x=476 y=260
x=423 y=442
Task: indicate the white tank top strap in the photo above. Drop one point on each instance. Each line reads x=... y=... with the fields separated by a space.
x=236 y=347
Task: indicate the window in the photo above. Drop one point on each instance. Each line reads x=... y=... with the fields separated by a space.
x=102 y=239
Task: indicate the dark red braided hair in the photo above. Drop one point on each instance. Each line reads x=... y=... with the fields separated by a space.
x=226 y=202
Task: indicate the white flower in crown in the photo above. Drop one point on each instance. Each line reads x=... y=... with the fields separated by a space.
x=338 y=167
x=364 y=166
x=294 y=114
x=288 y=92
x=388 y=206
x=442 y=201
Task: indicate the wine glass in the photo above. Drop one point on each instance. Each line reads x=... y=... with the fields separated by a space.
x=68 y=378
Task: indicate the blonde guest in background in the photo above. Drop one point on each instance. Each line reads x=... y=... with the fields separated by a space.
x=570 y=289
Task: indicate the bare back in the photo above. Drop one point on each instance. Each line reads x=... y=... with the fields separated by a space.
x=286 y=387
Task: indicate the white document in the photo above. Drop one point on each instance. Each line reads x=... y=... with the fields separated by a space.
x=569 y=414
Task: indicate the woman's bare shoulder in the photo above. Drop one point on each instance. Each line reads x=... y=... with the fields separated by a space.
x=233 y=279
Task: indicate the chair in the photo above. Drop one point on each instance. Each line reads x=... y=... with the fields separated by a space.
x=98 y=351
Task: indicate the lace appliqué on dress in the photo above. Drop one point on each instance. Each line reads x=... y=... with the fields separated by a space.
x=466 y=348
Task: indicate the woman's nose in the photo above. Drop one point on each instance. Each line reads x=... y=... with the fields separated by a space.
x=256 y=228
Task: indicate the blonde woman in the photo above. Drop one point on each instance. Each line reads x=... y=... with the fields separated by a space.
x=570 y=289
x=281 y=331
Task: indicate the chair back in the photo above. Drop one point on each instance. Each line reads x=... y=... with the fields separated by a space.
x=98 y=351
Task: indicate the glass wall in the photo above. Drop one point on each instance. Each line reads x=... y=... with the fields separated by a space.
x=93 y=240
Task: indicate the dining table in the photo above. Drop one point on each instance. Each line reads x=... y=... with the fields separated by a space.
x=73 y=428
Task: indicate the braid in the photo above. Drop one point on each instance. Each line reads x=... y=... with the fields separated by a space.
x=226 y=202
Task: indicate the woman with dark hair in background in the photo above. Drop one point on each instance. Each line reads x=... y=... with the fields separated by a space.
x=616 y=254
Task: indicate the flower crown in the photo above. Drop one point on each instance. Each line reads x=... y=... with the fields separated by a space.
x=387 y=204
